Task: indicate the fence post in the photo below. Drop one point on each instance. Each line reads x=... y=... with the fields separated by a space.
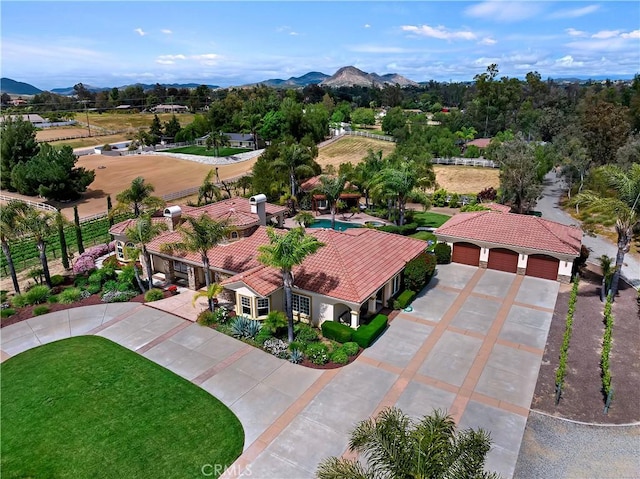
x=608 y=401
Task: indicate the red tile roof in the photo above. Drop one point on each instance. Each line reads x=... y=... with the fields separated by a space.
x=236 y=210
x=314 y=182
x=479 y=142
x=120 y=228
x=497 y=207
x=513 y=230
x=351 y=266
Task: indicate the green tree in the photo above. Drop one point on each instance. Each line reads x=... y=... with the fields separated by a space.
x=296 y=160
x=304 y=219
x=52 y=174
x=606 y=128
x=78 y=229
x=140 y=234
x=363 y=117
x=395 y=119
x=137 y=198
x=155 y=131
x=172 y=127
x=17 y=146
x=209 y=191
x=284 y=251
x=10 y=215
x=272 y=126
x=331 y=188
x=210 y=294
x=252 y=123
x=366 y=171
x=199 y=235
x=396 y=183
x=38 y=224
x=394 y=446
x=215 y=140
x=60 y=224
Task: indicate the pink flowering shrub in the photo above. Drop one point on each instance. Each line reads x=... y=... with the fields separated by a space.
x=87 y=261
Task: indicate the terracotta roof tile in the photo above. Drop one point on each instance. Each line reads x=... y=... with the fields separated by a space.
x=120 y=228
x=513 y=230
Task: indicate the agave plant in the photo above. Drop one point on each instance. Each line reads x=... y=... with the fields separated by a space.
x=239 y=326
x=253 y=328
x=296 y=356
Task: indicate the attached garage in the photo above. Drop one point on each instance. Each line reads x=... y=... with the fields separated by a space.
x=542 y=266
x=466 y=253
x=503 y=260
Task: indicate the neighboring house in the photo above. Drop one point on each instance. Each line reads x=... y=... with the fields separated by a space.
x=481 y=143
x=169 y=109
x=319 y=202
x=355 y=273
x=36 y=120
x=237 y=140
x=520 y=244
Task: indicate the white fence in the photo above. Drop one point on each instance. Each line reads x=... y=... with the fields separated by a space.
x=35 y=204
x=370 y=135
x=466 y=162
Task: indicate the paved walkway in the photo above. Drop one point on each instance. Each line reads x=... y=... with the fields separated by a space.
x=472 y=345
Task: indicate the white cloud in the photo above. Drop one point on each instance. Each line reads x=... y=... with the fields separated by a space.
x=203 y=59
x=568 y=61
x=575 y=33
x=294 y=34
x=375 y=49
x=575 y=12
x=438 y=32
x=500 y=11
x=604 y=34
x=488 y=41
x=633 y=34
x=166 y=31
x=366 y=25
x=140 y=32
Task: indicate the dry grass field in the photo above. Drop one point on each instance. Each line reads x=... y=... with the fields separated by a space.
x=351 y=149
x=131 y=121
x=466 y=179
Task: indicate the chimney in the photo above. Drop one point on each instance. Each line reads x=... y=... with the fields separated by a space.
x=259 y=207
x=172 y=216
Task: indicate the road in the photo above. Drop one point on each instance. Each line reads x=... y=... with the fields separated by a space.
x=548 y=205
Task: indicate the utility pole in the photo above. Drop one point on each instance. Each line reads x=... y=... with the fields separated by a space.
x=87 y=113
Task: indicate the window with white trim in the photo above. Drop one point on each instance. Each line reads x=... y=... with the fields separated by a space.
x=301 y=304
x=263 y=306
x=120 y=250
x=180 y=267
x=396 y=285
x=245 y=305
x=322 y=204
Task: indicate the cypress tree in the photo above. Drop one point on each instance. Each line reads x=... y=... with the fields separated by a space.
x=63 y=241
x=76 y=219
x=109 y=206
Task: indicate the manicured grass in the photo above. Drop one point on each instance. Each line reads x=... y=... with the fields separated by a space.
x=424 y=235
x=87 y=407
x=202 y=151
x=427 y=218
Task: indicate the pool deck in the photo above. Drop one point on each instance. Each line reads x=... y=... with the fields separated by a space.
x=358 y=218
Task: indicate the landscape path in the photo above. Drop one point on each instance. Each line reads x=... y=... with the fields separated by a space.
x=472 y=345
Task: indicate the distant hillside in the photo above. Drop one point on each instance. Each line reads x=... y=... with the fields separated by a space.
x=12 y=87
x=145 y=86
x=349 y=76
x=311 y=78
x=68 y=91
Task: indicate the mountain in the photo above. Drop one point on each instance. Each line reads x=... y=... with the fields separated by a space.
x=12 y=87
x=311 y=78
x=68 y=91
x=349 y=76
x=145 y=86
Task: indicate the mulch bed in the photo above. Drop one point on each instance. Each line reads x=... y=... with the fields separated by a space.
x=582 y=398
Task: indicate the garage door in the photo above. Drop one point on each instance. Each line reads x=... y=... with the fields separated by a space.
x=503 y=260
x=466 y=253
x=542 y=266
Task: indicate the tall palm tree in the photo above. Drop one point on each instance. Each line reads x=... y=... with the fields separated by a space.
x=331 y=188
x=39 y=225
x=244 y=182
x=140 y=235
x=216 y=139
x=296 y=160
x=199 y=235
x=396 y=182
x=285 y=251
x=209 y=191
x=625 y=205
x=394 y=446
x=251 y=124
x=137 y=197
x=9 y=220
x=365 y=171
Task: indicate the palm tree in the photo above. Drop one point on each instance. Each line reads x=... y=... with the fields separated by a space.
x=39 y=225
x=396 y=183
x=199 y=235
x=210 y=293
x=216 y=139
x=140 y=235
x=394 y=446
x=209 y=191
x=296 y=160
x=625 y=205
x=251 y=124
x=9 y=220
x=607 y=274
x=244 y=182
x=331 y=188
x=365 y=171
x=137 y=197
x=304 y=219
x=285 y=251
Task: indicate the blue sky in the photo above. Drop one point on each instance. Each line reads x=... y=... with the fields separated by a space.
x=57 y=44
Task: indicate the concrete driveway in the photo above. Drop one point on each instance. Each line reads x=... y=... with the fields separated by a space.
x=472 y=345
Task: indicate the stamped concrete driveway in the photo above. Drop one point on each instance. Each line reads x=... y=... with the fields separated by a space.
x=472 y=345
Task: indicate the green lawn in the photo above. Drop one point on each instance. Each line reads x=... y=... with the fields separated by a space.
x=427 y=218
x=86 y=407
x=202 y=151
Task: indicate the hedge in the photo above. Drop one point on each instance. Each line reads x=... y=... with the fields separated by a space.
x=443 y=253
x=337 y=331
x=404 y=299
x=365 y=335
x=404 y=230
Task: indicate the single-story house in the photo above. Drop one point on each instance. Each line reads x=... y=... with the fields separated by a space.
x=481 y=143
x=237 y=140
x=170 y=109
x=35 y=120
x=350 y=196
x=522 y=244
x=354 y=274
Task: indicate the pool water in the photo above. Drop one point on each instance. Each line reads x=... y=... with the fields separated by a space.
x=339 y=225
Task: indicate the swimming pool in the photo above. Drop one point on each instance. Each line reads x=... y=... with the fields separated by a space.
x=339 y=226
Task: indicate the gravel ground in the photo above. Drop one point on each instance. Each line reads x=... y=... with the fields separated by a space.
x=556 y=448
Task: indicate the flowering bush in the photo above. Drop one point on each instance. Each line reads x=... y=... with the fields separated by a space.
x=277 y=347
x=117 y=296
x=87 y=261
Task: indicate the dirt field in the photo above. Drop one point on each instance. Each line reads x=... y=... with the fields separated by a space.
x=55 y=133
x=466 y=179
x=351 y=149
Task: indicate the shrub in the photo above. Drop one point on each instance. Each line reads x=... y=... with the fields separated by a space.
x=41 y=309
x=57 y=280
x=365 y=335
x=3 y=295
x=439 y=198
x=80 y=281
x=318 y=353
x=84 y=264
x=127 y=279
x=244 y=327
x=296 y=356
x=277 y=347
x=305 y=334
x=6 y=312
x=443 y=253
x=339 y=356
x=53 y=299
x=118 y=296
x=488 y=194
x=405 y=230
x=206 y=318
x=38 y=294
x=69 y=295
x=454 y=201
x=418 y=270
x=110 y=285
x=473 y=207
x=95 y=277
x=472 y=151
x=404 y=299
x=264 y=334
x=19 y=300
x=337 y=331
x=154 y=294
x=84 y=294
x=94 y=288
x=221 y=314
x=351 y=348
x=276 y=321
x=296 y=345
